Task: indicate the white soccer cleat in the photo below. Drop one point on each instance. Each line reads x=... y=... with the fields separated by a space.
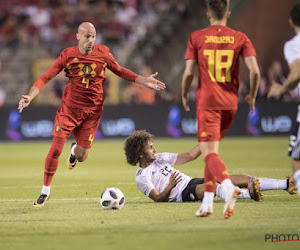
x=204 y=211
x=230 y=202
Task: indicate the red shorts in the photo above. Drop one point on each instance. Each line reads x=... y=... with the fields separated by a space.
x=84 y=124
x=214 y=124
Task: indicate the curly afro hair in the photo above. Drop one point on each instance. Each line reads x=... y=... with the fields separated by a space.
x=135 y=145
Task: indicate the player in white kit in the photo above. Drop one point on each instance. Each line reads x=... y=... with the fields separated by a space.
x=292 y=83
x=159 y=180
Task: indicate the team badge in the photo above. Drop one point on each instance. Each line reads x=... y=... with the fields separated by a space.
x=87 y=69
x=57 y=128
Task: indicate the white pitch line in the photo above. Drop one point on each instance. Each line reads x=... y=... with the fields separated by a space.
x=59 y=199
x=62 y=186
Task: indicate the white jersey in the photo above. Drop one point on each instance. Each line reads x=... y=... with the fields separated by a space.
x=157 y=175
x=291 y=53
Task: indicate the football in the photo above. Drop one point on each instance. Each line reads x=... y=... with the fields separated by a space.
x=112 y=198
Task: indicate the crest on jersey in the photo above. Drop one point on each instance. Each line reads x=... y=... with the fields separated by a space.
x=87 y=69
x=57 y=128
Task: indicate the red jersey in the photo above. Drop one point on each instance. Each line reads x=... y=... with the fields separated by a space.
x=86 y=75
x=217 y=50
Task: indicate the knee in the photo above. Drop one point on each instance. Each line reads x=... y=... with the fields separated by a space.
x=81 y=156
x=54 y=152
x=56 y=147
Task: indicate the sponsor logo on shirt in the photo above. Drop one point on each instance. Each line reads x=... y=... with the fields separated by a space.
x=203 y=134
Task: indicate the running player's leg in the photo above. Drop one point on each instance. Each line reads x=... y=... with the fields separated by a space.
x=208 y=137
x=63 y=127
x=84 y=137
x=294 y=153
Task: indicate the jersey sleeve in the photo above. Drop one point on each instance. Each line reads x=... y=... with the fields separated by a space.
x=166 y=158
x=55 y=68
x=144 y=184
x=118 y=70
x=247 y=48
x=291 y=53
x=191 y=51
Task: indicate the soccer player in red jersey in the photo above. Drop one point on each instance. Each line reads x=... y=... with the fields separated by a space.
x=216 y=51
x=82 y=103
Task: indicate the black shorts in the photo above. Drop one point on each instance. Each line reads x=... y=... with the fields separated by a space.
x=189 y=193
x=294 y=147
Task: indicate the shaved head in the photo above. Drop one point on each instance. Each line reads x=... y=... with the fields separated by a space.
x=86 y=27
x=86 y=37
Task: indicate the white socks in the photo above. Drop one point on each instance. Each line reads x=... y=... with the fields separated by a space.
x=271 y=184
x=227 y=186
x=208 y=198
x=73 y=149
x=46 y=190
x=243 y=195
x=297 y=179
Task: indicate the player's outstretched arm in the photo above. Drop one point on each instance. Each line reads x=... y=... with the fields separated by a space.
x=188 y=156
x=164 y=195
x=254 y=77
x=151 y=82
x=289 y=84
x=26 y=99
x=186 y=82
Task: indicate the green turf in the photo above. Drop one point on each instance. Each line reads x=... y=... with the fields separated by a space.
x=74 y=219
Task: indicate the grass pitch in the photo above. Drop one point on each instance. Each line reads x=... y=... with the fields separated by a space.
x=74 y=219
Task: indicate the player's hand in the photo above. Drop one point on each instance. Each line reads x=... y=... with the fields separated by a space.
x=152 y=83
x=275 y=90
x=175 y=178
x=24 y=102
x=185 y=103
x=251 y=102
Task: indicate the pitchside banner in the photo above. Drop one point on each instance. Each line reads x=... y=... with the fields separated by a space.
x=163 y=120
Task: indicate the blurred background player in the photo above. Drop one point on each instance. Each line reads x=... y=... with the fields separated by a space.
x=216 y=51
x=292 y=56
x=159 y=180
x=83 y=98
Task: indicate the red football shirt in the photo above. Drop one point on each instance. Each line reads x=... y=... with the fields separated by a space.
x=86 y=75
x=217 y=50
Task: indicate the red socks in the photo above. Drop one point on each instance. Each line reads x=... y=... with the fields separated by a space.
x=215 y=171
x=52 y=159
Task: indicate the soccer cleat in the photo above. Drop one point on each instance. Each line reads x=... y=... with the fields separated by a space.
x=254 y=189
x=204 y=211
x=41 y=200
x=71 y=163
x=291 y=185
x=230 y=204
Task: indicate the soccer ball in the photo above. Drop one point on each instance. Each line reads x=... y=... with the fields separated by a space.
x=112 y=198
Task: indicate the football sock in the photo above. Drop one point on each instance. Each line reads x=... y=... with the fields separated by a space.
x=297 y=180
x=243 y=195
x=208 y=198
x=226 y=187
x=51 y=162
x=216 y=167
x=271 y=184
x=209 y=180
x=73 y=149
x=45 y=190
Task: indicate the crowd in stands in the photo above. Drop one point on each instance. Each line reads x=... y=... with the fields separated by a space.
x=120 y=24
x=54 y=22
